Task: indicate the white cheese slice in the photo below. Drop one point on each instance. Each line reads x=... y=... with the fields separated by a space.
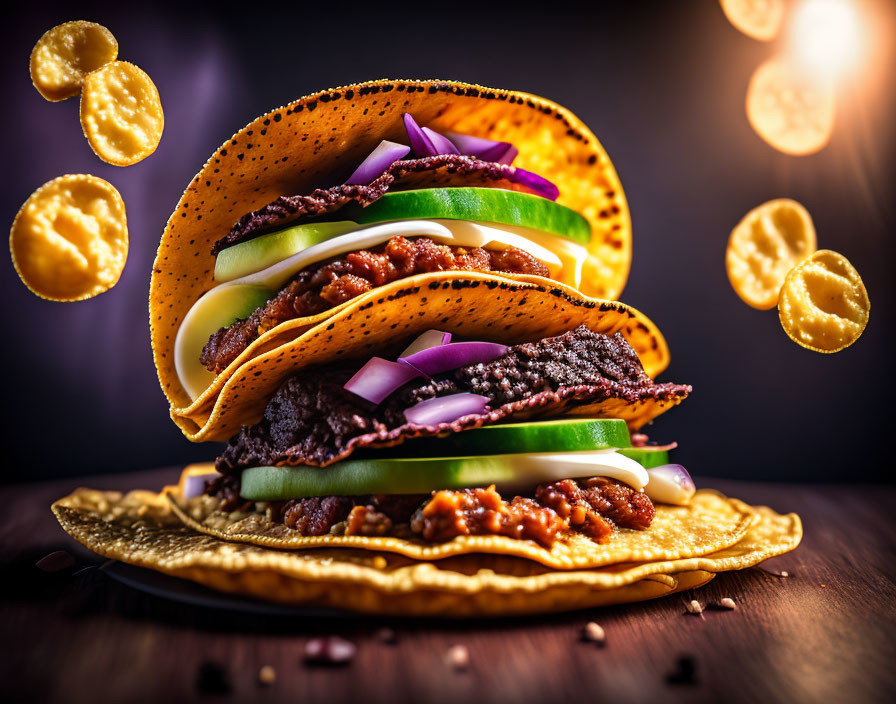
x=551 y=467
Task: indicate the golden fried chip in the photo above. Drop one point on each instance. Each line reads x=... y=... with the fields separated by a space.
x=136 y=529
x=121 y=113
x=791 y=112
x=758 y=19
x=68 y=52
x=767 y=243
x=69 y=241
x=709 y=523
x=824 y=305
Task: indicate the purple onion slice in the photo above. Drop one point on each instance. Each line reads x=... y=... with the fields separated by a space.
x=455 y=355
x=194 y=484
x=380 y=159
x=379 y=378
x=420 y=142
x=670 y=484
x=537 y=183
x=485 y=149
x=446 y=409
x=502 y=156
x=431 y=338
x=441 y=144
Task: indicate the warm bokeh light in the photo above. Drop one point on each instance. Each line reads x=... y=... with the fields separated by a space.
x=791 y=112
x=758 y=19
x=826 y=37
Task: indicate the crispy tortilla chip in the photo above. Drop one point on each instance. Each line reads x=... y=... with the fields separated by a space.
x=710 y=523
x=291 y=151
x=479 y=306
x=139 y=528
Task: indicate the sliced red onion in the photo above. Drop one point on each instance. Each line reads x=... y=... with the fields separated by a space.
x=506 y=157
x=380 y=159
x=455 y=355
x=194 y=484
x=442 y=144
x=379 y=378
x=431 y=338
x=421 y=143
x=485 y=149
x=670 y=484
x=539 y=184
x=446 y=409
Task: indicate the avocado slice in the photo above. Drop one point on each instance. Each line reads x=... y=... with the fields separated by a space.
x=478 y=205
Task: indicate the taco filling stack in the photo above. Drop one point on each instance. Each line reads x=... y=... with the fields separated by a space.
x=396 y=301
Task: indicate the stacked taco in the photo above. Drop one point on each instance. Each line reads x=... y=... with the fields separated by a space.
x=397 y=303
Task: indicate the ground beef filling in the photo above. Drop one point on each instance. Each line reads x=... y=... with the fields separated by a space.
x=328 y=284
x=594 y=507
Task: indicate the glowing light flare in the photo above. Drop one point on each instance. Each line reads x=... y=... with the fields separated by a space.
x=826 y=37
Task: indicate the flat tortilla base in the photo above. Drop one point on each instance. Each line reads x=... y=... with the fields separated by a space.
x=140 y=528
x=710 y=523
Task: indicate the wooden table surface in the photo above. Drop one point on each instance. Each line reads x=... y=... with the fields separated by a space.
x=826 y=633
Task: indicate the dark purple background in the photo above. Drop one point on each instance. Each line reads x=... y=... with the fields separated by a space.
x=662 y=88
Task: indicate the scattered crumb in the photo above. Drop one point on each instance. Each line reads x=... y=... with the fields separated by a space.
x=387 y=635
x=774 y=573
x=728 y=603
x=685 y=672
x=55 y=562
x=267 y=675
x=594 y=633
x=694 y=607
x=380 y=562
x=823 y=586
x=458 y=657
x=329 y=650
x=213 y=678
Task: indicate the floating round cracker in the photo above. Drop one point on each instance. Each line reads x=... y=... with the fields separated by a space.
x=766 y=244
x=790 y=111
x=69 y=241
x=758 y=19
x=65 y=54
x=136 y=528
x=824 y=305
x=271 y=157
x=121 y=113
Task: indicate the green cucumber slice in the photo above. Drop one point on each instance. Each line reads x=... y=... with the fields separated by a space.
x=647 y=457
x=563 y=435
x=422 y=475
x=262 y=252
x=477 y=205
